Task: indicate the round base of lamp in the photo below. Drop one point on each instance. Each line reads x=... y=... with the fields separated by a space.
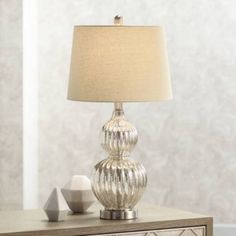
x=118 y=214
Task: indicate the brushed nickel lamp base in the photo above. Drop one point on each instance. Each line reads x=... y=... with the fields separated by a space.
x=119 y=214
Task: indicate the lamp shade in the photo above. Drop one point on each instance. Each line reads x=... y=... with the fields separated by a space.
x=119 y=64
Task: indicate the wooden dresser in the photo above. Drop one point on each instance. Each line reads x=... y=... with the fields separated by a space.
x=152 y=221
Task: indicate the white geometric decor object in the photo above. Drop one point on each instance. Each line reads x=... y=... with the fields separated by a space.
x=56 y=207
x=78 y=193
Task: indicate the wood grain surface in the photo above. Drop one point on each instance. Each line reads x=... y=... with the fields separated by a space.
x=34 y=222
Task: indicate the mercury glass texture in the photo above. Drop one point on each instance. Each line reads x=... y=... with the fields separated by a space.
x=118 y=181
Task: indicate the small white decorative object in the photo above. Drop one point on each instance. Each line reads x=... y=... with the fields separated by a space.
x=78 y=193
x=56 y=207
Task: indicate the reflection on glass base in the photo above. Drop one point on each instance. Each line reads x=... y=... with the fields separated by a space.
x=118 y=214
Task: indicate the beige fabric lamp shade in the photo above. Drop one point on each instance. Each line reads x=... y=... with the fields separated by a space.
x=119 y=64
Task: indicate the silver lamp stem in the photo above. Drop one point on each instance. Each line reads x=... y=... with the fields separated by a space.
x=118 y=106
x=118 y=109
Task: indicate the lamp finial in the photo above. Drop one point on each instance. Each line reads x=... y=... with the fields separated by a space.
x=118 y=20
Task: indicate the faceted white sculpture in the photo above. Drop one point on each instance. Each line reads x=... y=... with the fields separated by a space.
x=78 y=193
x=56 y=207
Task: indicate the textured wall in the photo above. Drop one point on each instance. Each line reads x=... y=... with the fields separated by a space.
x=10 y=104
x=188 y=145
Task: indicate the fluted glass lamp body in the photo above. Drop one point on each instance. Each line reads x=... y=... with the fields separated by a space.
x=118 y=182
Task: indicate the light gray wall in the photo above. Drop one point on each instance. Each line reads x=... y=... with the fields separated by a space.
x=188 y=145
x=10 y=104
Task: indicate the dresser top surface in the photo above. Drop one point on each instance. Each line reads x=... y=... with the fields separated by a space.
x=34 y=222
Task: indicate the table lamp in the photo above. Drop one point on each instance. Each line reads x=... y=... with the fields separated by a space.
x=119 y=64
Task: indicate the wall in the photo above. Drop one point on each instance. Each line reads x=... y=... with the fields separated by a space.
x=10 y=104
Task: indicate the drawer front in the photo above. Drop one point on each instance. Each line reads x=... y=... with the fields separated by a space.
x=193 y=231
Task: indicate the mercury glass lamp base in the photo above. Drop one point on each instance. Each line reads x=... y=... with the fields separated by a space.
x=119 y=214
x=118 y=181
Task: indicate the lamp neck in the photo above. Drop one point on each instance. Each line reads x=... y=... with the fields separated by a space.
x=118 y=109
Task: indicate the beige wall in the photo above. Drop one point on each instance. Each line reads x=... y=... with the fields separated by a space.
x=10 y=104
